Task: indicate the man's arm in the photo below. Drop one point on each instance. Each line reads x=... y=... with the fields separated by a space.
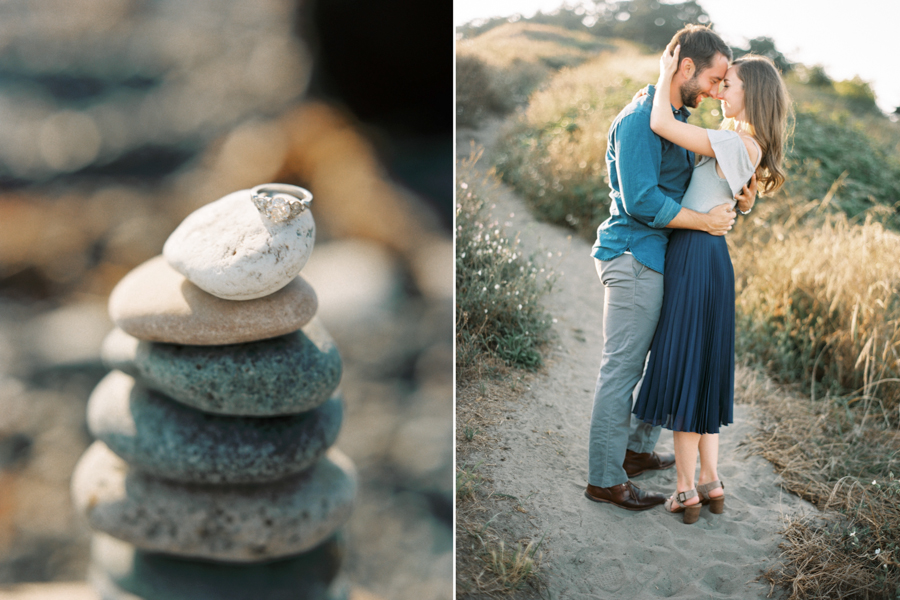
x=717 y=221
x=638 y=158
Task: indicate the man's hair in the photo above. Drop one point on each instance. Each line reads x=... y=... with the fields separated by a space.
x=700 y=44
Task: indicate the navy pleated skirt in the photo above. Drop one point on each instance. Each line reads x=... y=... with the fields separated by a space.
x=689 y=382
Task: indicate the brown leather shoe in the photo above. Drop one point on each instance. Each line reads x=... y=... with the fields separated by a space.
x=637 y=463
x=625 y=495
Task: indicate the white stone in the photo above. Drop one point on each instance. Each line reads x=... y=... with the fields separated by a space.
x=231 y=250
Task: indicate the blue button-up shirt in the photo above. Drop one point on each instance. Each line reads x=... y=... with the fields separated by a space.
x=648 y=176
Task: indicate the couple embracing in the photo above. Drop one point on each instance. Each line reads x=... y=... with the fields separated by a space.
x=668 y=278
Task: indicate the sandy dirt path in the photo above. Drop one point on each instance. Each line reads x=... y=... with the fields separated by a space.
x=598 y=551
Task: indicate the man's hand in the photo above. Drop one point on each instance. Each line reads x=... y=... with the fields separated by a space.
x=720 y=219
x=747 y=198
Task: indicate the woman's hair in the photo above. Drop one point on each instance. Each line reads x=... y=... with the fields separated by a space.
x=767 y=107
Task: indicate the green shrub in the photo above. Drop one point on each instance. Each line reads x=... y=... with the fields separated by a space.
x=828 y=146
x=475 y=95
x=498 y=289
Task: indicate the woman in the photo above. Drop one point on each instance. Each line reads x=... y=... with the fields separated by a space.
x=689 y=383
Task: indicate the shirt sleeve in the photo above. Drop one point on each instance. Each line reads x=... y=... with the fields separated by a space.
x=733 y=158
x=638 y=157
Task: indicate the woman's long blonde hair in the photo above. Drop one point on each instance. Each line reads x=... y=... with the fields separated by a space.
x=767 y=106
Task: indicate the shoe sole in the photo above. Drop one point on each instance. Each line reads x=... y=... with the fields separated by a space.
x=592 y=499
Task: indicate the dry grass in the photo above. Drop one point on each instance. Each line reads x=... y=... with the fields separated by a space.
x=507 y=46
x=852 y=548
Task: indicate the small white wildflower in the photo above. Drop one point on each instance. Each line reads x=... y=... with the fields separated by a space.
x=485 y=311
x=520 y=307
x=853 y=534
x=484 y=289
x=464 y=185
x=463 y=255
x=874 y=482
x=497 y=286
x=549 y=255
x=556 y=320
x=877 y=551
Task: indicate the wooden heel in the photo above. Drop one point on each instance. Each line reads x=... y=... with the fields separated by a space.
x=692 y=513
x=717 y=505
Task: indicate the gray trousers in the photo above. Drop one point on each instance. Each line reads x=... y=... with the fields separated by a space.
x=631 y=308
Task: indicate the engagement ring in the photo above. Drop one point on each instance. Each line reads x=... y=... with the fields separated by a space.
x=280 y=201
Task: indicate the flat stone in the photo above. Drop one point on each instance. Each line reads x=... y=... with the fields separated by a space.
x=119 y=566
x=155 y=302
x=165 y=438
x=229 y=249
x=232 y=523
x=282 y=375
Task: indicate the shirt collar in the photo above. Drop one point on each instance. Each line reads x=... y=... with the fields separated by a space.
x=651 y=90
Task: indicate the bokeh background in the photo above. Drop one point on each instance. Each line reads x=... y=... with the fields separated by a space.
x=120 y=117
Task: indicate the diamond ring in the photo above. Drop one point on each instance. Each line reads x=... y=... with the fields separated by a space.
x=280 y=201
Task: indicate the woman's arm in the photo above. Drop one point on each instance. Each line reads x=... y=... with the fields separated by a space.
x=663 y=122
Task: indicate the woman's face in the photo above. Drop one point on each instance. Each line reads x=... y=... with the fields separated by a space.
x=731 y=93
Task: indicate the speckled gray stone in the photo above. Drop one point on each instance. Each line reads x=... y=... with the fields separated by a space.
x=237 y=523
x=170 y=440
x=283 y=375
x=154 y=576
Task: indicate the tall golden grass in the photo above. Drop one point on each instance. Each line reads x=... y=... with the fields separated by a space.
x=819 y=303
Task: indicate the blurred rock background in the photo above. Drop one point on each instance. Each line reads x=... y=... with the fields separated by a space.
x=120 y=117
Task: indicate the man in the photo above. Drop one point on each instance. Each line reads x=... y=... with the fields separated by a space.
x=648 y=176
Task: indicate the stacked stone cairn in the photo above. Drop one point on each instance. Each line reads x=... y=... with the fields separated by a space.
x=212 y=476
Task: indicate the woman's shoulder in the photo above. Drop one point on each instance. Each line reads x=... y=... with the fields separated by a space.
x=727 y=142
x=752 y=146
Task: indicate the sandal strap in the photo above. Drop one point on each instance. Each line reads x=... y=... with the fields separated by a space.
x=682 y=497
x=705 y=488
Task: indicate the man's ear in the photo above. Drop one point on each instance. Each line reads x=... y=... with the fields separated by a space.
x=687 y=68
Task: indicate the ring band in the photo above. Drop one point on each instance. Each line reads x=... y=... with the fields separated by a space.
x=280 y=201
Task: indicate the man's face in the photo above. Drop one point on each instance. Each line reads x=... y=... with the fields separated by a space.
x=705 y=83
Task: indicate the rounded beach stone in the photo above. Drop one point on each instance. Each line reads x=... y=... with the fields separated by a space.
x=283 y=375
x=239 y=523
x=229 y=249
x=119 y=566
x=155 y=302
x=159 y=436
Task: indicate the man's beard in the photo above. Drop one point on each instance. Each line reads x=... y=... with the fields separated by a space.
x=690 y=92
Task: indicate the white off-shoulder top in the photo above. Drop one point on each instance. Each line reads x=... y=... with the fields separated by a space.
x=706 y=189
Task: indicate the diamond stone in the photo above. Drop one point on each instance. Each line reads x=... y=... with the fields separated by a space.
x=279 y=208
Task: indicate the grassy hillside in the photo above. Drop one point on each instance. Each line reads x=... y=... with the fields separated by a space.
x=499 y=69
